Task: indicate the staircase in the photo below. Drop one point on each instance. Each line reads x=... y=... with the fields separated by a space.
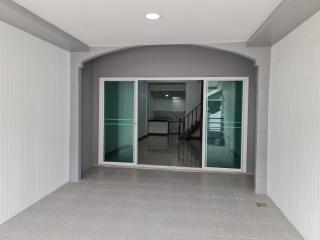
x=190 y=123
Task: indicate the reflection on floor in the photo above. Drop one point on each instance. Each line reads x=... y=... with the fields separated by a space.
x=131 y=204
x=169 y=151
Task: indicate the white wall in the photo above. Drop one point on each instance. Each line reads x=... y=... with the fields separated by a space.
x=34 y=119
x=162 y=104
x=294 y=127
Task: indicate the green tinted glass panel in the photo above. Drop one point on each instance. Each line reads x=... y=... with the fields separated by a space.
x=118 y=121
x=224 y=124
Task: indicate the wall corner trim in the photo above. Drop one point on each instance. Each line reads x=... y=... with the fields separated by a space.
x=285 y=18
x=17 y=16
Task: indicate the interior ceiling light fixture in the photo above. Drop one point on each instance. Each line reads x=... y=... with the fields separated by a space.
x=152 y=16
x=167 y=95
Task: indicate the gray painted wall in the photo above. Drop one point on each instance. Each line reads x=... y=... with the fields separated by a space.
x=86 y=117
x=193 y=95
x=168 y=61
x=142 y=108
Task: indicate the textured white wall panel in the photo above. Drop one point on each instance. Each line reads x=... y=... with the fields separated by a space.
x=294 y=127
x=34 y=119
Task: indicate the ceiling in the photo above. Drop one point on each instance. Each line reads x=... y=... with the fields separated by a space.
x=122 y=22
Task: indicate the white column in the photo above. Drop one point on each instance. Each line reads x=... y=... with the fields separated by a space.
x=261 y=166
x=75 y=123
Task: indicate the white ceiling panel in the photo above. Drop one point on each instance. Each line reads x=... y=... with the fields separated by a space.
x=122 y=22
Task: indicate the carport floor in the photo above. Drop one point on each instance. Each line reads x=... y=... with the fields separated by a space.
x=113 y=203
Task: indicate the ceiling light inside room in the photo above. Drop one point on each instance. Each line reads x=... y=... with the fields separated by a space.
x=167 y=95
x=152 y=16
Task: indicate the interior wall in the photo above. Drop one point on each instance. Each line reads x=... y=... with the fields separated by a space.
x=35 y=119
x=163 y=87
x=169 y=104
x=294 y=129
x=174 y=61
x=86 y=117
x=193 y=95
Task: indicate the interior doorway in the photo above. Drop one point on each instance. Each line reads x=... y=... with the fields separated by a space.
x=169 y=123
x=174 y=123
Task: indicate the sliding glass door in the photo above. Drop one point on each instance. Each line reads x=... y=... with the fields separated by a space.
x=119 y=121
x=224 y=101
x=224 y=117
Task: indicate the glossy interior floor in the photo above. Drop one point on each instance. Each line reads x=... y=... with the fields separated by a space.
x=132 y=204
x=169 y=151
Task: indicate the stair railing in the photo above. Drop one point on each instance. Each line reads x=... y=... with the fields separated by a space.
x=189 y=121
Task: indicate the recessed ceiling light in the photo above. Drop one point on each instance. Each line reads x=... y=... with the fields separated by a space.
x=152 y=16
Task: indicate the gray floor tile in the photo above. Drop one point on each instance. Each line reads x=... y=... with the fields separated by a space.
x=43 y=230
x=237 y=229
x=38 y=212
x=204 y=213
x=107 y=233
x=174 y=200
x=138 y=234
x=228 y=238
x=223 y=194
x=262 y=215
x=202 y=202
x=232 y=214
x=16 y=226
x=174 y=224
x=270 y=232
x=116 y=219
x=248 y=194
x=146 y=222
x=170 y=236
x=134 y=204
x=52 y=201
x=7 y=237
x=90 y=217
x=75 y=232
x=64 y=215
x=252 y=203
x=181 y=211
x=201 y=191
x=254 y=231
x=205 y=227
x=204 y=237
x=226 y=203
